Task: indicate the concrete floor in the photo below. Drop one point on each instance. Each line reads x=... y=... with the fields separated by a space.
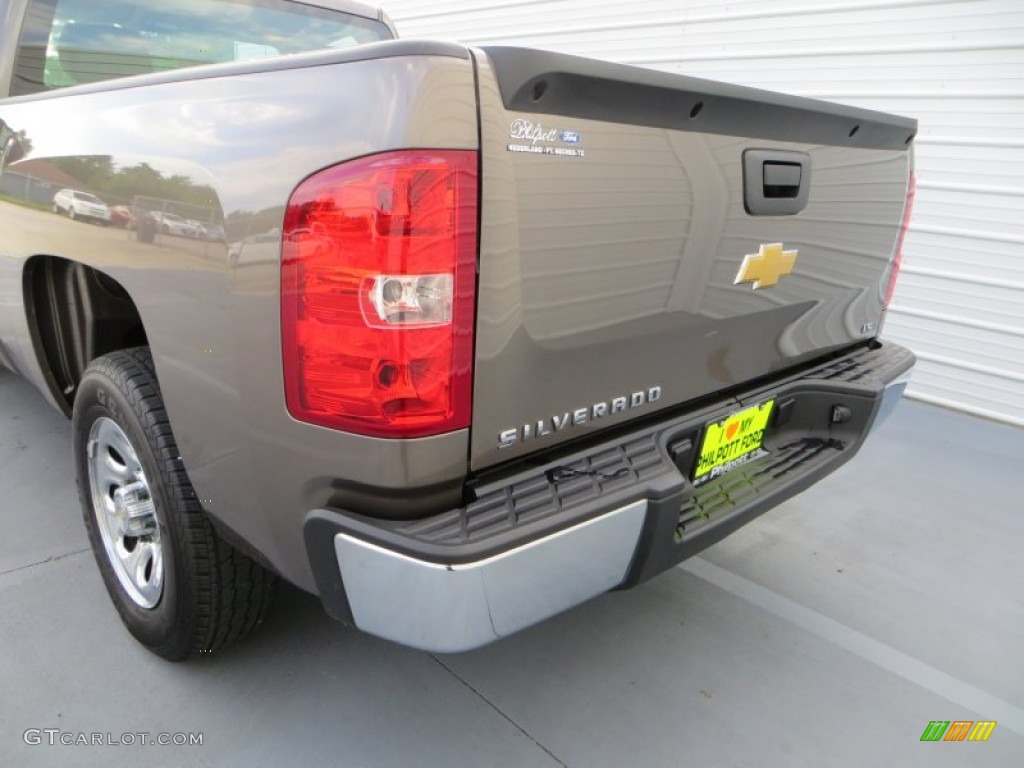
x=827 y=633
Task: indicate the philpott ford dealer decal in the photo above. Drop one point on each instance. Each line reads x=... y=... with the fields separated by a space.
x=538 y=139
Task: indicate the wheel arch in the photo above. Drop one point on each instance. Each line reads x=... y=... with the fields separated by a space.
x=75 y=314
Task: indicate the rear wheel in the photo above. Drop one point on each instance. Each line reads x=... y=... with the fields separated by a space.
x=179 y=588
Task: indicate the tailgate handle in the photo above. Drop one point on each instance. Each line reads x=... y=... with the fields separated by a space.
x=775 y=182
x=781 y=179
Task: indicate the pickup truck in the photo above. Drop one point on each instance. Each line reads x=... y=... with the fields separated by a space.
x=491 y=331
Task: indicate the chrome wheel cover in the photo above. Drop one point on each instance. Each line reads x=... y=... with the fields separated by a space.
x=125 y=513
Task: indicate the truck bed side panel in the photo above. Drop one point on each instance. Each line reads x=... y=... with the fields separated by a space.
x=212 y=309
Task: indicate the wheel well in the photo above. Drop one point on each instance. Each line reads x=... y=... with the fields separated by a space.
x=76 y=313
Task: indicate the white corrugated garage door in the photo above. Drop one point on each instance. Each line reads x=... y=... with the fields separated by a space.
x=958 y=67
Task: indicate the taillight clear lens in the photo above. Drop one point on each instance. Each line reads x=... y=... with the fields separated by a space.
x=408 y=299
x=897 y=258
x=378 y=282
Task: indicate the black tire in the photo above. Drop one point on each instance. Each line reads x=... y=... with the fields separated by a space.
x=212 y=594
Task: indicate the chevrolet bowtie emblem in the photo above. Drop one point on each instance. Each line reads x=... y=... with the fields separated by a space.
x=765 y=267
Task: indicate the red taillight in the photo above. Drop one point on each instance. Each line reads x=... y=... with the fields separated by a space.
x=897 y=258
x=378 y=279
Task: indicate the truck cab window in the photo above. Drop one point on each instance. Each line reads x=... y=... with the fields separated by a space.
x=70 y=42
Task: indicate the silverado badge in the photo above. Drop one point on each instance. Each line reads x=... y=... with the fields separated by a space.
x=765 y=267
x=577 y=417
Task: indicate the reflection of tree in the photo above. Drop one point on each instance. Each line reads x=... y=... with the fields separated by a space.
x=92 y=172
x=101 y=177
x=24 y=143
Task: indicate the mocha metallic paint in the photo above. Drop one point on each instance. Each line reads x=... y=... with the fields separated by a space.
x=213 y=318
x=606 y=272
x=599 y=274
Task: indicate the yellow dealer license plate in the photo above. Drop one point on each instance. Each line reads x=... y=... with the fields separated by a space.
x=732 y=442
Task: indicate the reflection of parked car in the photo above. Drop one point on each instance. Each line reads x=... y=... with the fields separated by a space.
x=121 y=216
x=215 y=232
x=173 y=224
x=81 y=205
x=235 y=249
x=200 y=228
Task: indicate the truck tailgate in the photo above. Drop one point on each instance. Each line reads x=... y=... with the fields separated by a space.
x=648 y=239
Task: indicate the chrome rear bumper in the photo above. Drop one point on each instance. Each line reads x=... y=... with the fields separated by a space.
x=891 y=395
x=546 y=537
x=449 y=608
